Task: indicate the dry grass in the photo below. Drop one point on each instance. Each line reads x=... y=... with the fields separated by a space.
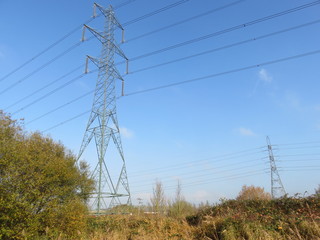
x=142 y=227
x=282 y=219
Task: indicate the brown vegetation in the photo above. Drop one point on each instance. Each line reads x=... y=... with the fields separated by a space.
x=253 y=193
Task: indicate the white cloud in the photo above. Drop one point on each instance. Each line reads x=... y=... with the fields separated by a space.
x=265 y=76
x=246 y=132
x=126 y=133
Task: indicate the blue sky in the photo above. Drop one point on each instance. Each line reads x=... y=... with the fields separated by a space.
x=209 y=134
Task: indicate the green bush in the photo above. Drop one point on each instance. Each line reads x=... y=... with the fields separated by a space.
x=41 y=189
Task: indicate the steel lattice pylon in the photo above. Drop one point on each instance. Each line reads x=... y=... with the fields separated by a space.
x=277 y=189
x=103 y=123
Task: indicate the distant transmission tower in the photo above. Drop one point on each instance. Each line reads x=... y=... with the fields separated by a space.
x=277 y=189
x=103 y=124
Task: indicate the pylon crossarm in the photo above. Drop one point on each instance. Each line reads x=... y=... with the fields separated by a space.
x=120 y=52
x=94 y=60
x=117 y=75
x=98 y=35
x=106 y=12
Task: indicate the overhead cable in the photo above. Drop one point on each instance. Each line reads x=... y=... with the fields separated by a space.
x=203 y=78
x=226 y=30
x=187 y=57
x=57 y=42
x=184 y=21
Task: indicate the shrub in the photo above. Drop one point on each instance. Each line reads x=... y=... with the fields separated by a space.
x=40 y=186
x=253 y=193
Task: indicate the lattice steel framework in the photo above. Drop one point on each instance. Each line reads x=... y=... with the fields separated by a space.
x=103 y=123
x=277 y=189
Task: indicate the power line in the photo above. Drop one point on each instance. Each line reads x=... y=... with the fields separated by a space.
x=283 y=169
x=229 y=46
x=57 y=42
x=196 y=176
x=215 y=171
x=216 y=168
x=225 y=73
x=50 y=93
x=190 y=41
x=298 y=168
x=219 y=179
x=296 y=155
x=298 y=143
x=57 y=108
x=184 y=21
x=66 y=121
x=185 y=58
x=123 y=4
x=79 y=43
x=295 y=148
x=301 y=160
x=44 y=87
x=154 y=12
x=187 y=164
x=209 y=76
x=41 y=67
x=226 y=30
x=239 y=175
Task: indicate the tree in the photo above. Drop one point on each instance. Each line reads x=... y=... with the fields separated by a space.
x=40 y=185
x=180 y=207
x=158 y=200
x=253 y=193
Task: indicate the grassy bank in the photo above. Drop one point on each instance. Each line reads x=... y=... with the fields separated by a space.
x=288 y=218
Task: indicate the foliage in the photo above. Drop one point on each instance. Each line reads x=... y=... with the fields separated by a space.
x=40 y=186
x=253 y=193
x=158 y=199
x=180 y=207
x=138 y=227
x=285 y=218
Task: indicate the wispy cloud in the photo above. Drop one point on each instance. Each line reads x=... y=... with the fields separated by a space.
x=126 y=133
x=245 y=132
x=265 y=76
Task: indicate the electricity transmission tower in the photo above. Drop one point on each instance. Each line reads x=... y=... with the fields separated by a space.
x=277 y=189
x=103 y=125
